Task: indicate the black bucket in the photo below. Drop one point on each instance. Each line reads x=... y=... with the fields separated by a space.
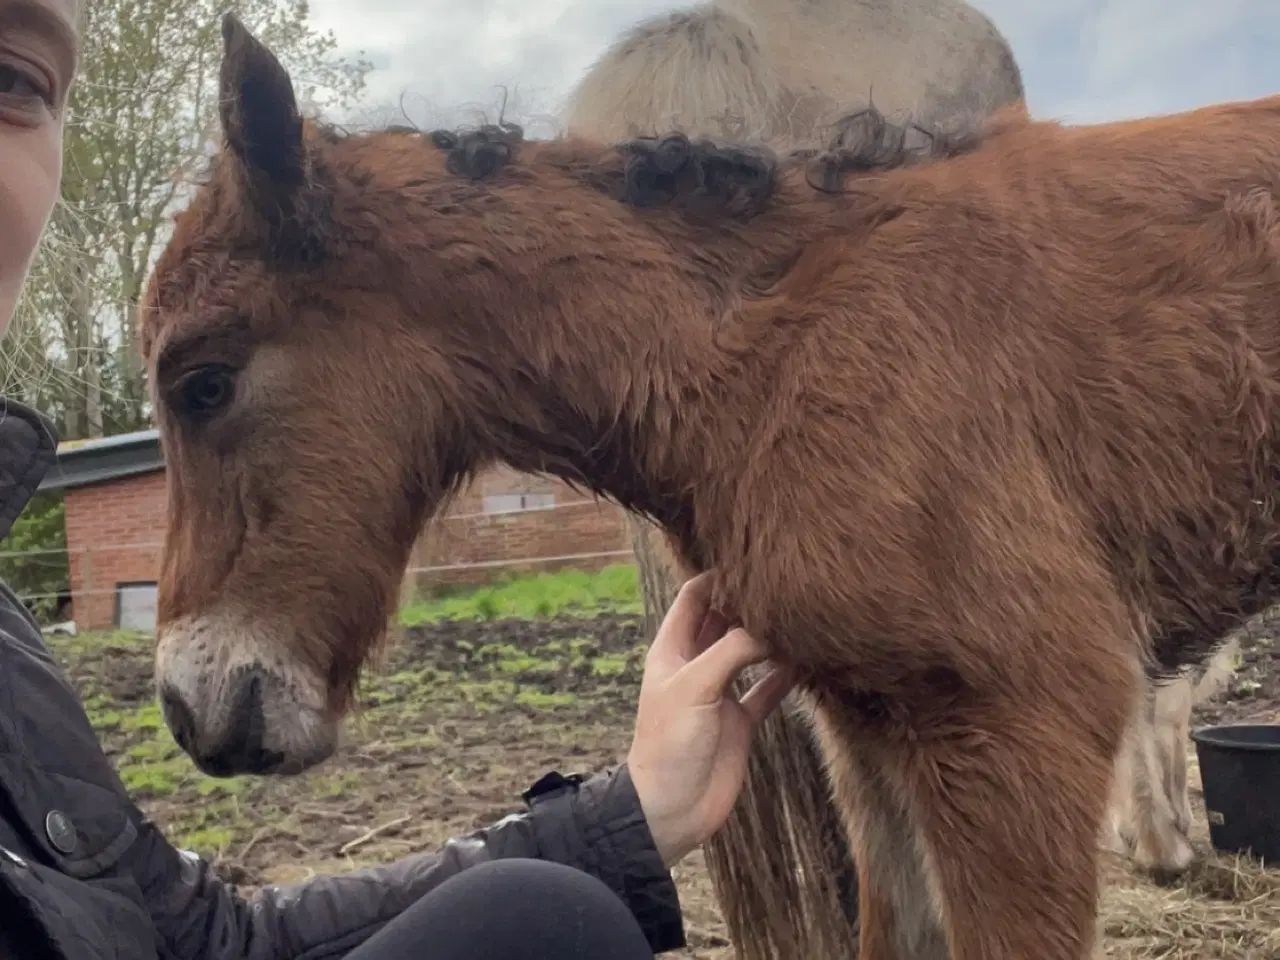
x=1240 y=773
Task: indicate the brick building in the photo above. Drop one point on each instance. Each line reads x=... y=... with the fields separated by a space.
x=507 y=522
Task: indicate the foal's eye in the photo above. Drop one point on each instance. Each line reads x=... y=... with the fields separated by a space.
x=207 y=390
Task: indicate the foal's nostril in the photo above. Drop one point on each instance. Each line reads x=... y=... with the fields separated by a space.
x=243 y=750
x=178 y=717
x=249 y=711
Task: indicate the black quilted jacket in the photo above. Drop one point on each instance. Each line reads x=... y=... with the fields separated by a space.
x=85 y=876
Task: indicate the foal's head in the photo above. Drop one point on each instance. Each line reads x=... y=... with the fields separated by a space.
x=316 y=365
x=292 y=399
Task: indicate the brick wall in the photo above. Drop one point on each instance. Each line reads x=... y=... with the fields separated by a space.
x=469 y=545
x=114 y=532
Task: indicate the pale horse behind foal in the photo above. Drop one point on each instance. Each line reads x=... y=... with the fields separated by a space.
x=781 y=70
x=1151 y=815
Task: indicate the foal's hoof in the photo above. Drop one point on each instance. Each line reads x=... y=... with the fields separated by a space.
x=1167 y=864
x=1166 y=876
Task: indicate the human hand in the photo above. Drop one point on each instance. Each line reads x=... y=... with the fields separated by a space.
x=688 y=760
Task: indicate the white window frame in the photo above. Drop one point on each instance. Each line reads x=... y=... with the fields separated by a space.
x=499 y=503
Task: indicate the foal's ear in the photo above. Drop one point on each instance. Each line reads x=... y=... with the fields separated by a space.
x=263 y=132
x=260 y=118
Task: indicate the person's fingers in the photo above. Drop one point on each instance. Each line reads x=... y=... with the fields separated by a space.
x=676 y=642
x=767 y=693
x=710 y=674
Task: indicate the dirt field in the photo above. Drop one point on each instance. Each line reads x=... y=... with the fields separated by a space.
x=464 y=715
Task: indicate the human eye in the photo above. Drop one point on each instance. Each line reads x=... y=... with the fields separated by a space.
x=24 y=88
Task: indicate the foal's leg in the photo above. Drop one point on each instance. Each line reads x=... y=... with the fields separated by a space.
x=983 y=756
x=1221 y=668
x=1009 y=793
x=1152 y=815
x=898 y=917
x=1156 y=828
x=1172 y=731
x=1132 y=775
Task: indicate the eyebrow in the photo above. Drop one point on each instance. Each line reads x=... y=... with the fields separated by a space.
x=37 y=19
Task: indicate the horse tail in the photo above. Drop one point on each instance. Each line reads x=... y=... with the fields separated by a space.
x=781 y=867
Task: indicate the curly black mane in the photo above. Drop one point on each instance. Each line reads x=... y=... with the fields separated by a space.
x=480 y=153
x=733 y=179
x=866 y=142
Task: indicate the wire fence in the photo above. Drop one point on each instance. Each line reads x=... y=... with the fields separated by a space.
x=476 y=541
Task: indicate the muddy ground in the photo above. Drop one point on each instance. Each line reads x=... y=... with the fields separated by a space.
x=463 y=715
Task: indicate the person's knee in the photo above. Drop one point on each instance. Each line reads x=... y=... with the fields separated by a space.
x=539 y=888
x=540 y=877
x=538 y=908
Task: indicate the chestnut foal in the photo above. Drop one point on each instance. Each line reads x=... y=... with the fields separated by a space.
x=971 y=441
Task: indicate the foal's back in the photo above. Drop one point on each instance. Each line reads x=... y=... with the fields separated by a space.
x=1094 y=311
x=1161 y=355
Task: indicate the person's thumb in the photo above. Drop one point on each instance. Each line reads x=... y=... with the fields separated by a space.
x=710 y=674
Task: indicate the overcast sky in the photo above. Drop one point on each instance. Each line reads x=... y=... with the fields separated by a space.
x=1082 y=60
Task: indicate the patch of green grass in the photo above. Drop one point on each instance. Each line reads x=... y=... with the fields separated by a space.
x=510 y=660
x=527 y=666
x=542 y=701
x=211 y=787
x=583 y=647
x=209 y=826
x=486 y=689
x=338 y=784
x=417 y=741
x=147 y=758
x=615 y=589
x=105 y=719
x=211 y=841
x=146 y=719
x=96 y=644
x=155 y=766
x=486 y=696
x=408 y=686
x=614 y=665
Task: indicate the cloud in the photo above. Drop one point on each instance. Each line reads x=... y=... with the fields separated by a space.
x=1093 y=60
x=1082 y=60
x=444 y=57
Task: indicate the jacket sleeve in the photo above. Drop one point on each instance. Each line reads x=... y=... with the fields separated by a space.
x=596 y=826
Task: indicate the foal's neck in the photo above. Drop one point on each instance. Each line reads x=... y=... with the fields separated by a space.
x=636 y=366
x=630 y=351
